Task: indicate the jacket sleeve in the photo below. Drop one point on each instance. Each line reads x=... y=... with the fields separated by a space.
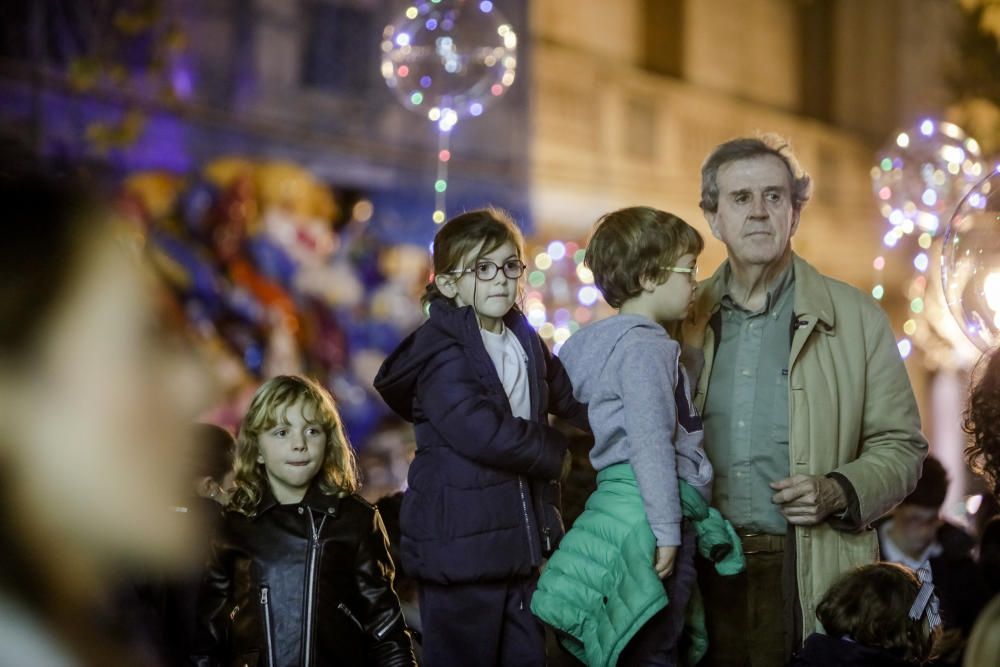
x=647 y=377
x=210 y=632
x=381 y=614
x=561 y=401
x=480 y=427
x=892 y=448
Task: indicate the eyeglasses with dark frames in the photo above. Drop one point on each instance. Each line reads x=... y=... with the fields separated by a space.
x=487 y=270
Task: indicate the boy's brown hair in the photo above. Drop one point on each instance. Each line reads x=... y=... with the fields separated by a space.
x=634 y=244
x=871 y=605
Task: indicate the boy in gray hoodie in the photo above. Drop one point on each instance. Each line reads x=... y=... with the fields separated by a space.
x=627 y=369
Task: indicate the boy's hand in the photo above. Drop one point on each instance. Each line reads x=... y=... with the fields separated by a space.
x=663 y=561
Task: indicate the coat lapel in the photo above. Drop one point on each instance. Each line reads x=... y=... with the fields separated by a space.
x=813 y=307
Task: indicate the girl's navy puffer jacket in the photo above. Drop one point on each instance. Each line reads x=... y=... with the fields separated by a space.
x=483 y=496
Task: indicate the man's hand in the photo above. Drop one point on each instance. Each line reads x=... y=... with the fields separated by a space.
x=806 y=500
x=663 y=561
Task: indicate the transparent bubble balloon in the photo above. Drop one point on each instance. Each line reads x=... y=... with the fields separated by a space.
x=923 y=174
x=970 y=263
x=449 y=59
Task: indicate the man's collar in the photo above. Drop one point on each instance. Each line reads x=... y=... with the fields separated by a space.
x=811 y=294
x=775 y=289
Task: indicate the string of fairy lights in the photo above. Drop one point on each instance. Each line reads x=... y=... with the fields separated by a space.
x=448 y=60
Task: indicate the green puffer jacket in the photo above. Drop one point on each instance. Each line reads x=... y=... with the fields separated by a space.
x=599 y=588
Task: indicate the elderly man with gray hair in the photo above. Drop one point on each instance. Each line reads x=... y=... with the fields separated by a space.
x=810 y=420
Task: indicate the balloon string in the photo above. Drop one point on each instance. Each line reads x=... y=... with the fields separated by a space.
x=441 y=182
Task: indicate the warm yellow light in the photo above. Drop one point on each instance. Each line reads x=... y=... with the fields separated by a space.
x=991 y=290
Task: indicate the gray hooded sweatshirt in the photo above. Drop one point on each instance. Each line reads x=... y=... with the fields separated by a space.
x=627 y=370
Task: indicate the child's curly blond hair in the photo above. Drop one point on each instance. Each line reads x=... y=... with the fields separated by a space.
x=339 y=472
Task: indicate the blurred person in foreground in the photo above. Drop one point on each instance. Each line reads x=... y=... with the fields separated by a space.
x=159 y=611
x=94 y=403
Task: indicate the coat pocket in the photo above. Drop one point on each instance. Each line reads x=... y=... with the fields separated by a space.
x=486 y=509
x=421 y=516
x=856 y=549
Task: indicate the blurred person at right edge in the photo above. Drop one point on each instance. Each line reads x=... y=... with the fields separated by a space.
x=95 y=399
x=915 y=535
x=810 y=420
x=982 y=422
x=983 y=649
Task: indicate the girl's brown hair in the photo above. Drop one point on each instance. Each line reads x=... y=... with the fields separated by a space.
x=871 y=605
x=339 y=473
x=634 y=244
x=483 y=230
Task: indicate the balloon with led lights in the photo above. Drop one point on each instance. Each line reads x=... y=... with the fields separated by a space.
x=970 y=263
x=449 y=59
x=922 y=175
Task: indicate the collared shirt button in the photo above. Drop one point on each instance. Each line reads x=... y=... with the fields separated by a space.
x=746 y=372
x=740 y=423
x=301 y=510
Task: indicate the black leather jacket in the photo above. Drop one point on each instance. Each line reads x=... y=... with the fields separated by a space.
x=300 y=585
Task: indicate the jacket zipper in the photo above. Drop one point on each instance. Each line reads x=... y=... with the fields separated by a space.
x=347 y=612
x=531 y=364
x=381 y=631
x=527 y=519
x=265 y=603
x=311 y=586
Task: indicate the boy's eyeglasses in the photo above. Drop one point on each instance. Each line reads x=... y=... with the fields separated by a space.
x=691 y=271
x=487 y=270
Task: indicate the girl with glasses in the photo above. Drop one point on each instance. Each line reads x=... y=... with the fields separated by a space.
x=481 y=510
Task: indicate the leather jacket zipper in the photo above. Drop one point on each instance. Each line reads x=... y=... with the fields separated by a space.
x=265 y=604
x=383 y=629
x=311 y=566
x=354 y=619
